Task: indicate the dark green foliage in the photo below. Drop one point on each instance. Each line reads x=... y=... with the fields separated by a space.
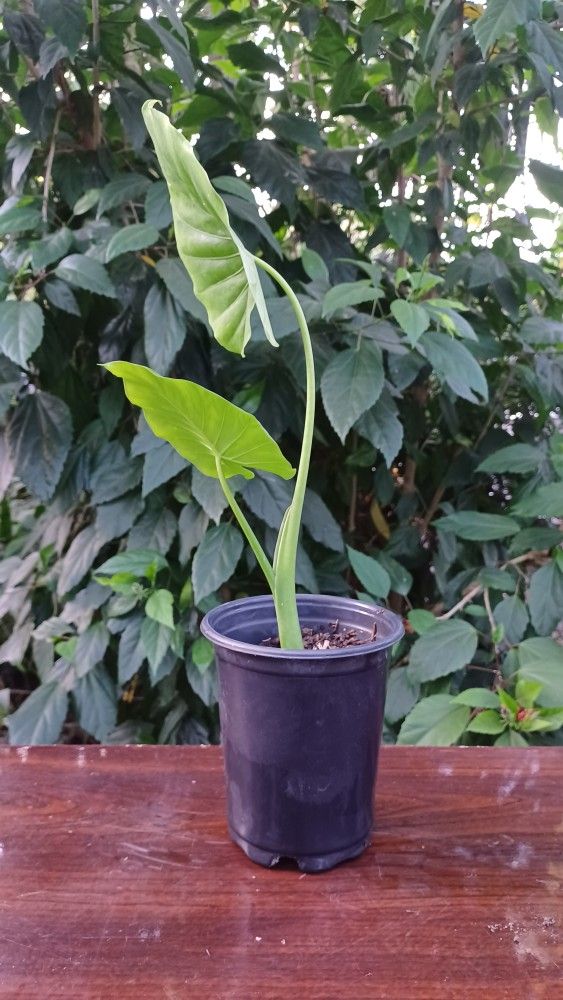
x=383 y=138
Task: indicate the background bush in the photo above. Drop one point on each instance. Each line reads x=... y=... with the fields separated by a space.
x=366 y=151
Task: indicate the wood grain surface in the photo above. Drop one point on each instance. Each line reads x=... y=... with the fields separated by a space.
x=117 y=880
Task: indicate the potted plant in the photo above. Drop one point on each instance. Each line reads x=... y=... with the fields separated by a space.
x=301 y=678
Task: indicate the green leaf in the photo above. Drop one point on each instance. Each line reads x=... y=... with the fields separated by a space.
x=351 y=383
x=179 y=284
x=478 y=698
x=547 y=501
x=397 y=218
x=114 y=473
x=541 y=330
x=21 y=330
x=50 y=248
x=40 y=718
x=320 y=523
x=434 y=721
x=139 y=562
x=131 y=653
x=401 y=579
x=156 y=639
x=370 y=573
x=527 y=692
x=40 y=435
x=476 y=527
x=61 y=296
x=541 y=660
x=85 y=272
x=443 y=650
x=215 y=560
x=382 y=427
x=158 y=210
x=521 y=458
x=86 y=201
x=96 y=701
x=549 y=180
x=413 y=319
x=455 y=365
x=200 y=425
x=534 y=538
x=502 y=17
x=314 y=266
x=165 y=328
x=401 y=696
x=511 y=613
x=134 y=237
x=202 y=654
x=67 y=18
x=19 y=219
x=125 y=187
x=350 y=293
x=177 y=51
x=510 y=738
x=488 y=723
x=192 y=525
x=224 y=274
x=545 y=598
x=160 y=606
x=90 y=648
x=421 y=620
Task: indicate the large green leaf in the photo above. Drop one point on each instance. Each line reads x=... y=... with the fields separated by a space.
x=85 y=272
x=549 y=180
x=224 y=275
x=134 y=237
x=511 y=613
x=547 y=501
x=454 y=364
x=382 y=427
x=21 y=330
x=541 y=660
x=436 y=721
x=370 y=573
x=215 y=560
x=502 y=17
x=96 y=701
x=545 y=598
x=351 y=383
x=40 y=434
x=201 y=425
x=39 y=719
x=445 y=648
x=520 y=458
x=477 y=527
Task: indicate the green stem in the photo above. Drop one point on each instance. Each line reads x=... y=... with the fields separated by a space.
x=286 y=555
x=247 y=530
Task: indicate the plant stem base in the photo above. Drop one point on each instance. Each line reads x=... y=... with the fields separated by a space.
x=309 y=863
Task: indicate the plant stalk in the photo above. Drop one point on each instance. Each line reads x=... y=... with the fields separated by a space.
x=285 y=598
x=251 y=538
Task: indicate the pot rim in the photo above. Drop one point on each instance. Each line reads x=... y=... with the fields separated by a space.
x=372 y=611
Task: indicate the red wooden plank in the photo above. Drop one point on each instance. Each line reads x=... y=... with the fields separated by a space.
x=117 y=879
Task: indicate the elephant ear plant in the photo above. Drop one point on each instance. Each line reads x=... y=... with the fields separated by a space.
x=300 y=727
x=216 y=436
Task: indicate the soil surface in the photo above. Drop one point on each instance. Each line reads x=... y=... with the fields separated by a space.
x=332 y=638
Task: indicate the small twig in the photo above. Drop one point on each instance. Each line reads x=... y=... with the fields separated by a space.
x=96 y=119
x=475 y=591
x=49 y=169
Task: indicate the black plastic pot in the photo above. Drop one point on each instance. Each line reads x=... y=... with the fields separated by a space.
x=301 y=729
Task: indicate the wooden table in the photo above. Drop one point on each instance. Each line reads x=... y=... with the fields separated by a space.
x=117 y=880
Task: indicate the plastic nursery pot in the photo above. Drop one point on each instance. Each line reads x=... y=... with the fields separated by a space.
x=301 y=729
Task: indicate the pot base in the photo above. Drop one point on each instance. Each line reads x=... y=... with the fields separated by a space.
x=309 y=863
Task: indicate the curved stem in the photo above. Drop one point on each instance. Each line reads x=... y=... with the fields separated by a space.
x=251 y=538
x=286 y=555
